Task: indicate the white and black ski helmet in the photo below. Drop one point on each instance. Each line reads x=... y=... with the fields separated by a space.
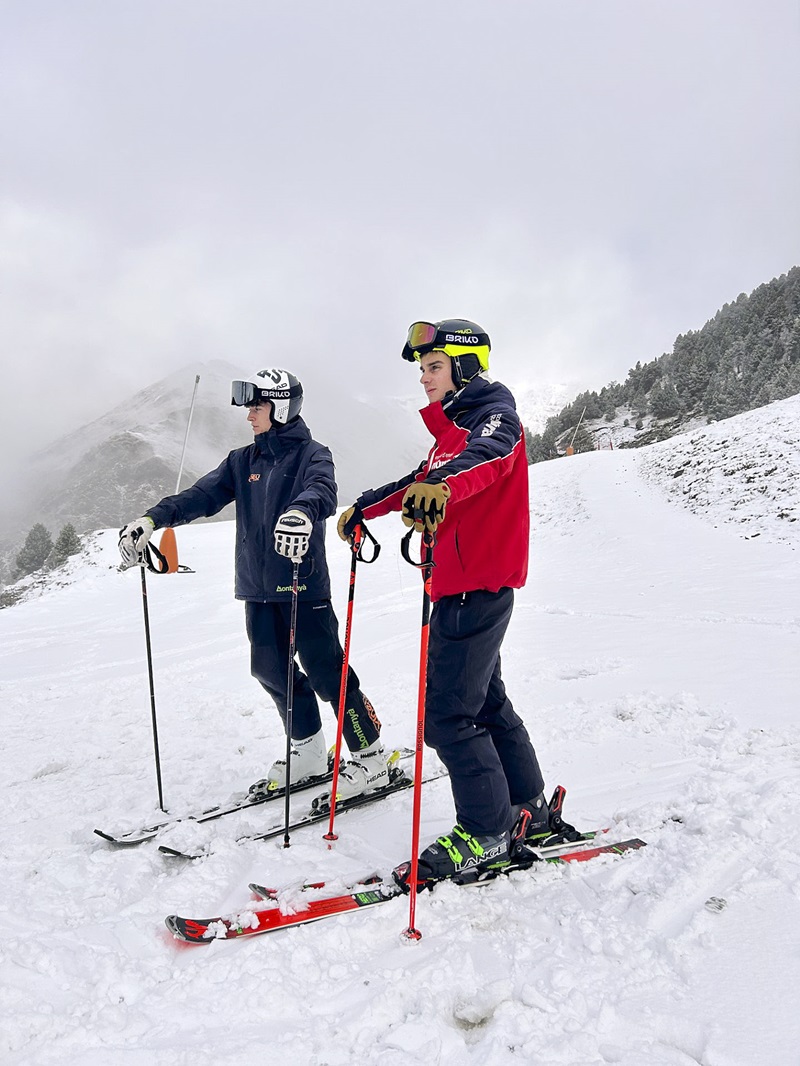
x=282 y=389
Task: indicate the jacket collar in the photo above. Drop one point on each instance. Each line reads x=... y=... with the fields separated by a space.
x=435 y=419
x=280 y=440
x=477 y=392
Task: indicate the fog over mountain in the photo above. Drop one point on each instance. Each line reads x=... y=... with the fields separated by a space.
x=109 y=471
x=114 y=467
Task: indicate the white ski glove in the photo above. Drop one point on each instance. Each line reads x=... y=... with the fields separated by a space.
x=133 y=540
x=292 y=533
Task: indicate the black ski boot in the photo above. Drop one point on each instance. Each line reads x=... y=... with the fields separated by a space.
x=460 y=857
x=539 y=823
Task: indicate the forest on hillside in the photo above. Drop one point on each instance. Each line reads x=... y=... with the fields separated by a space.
x=746 y=356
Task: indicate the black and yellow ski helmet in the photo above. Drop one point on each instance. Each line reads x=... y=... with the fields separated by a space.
x=465 y=342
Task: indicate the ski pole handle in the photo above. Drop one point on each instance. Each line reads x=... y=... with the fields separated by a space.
x=360 y=535
x=426 y=552
x=151 y=552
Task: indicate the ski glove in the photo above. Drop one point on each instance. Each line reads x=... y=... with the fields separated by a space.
x=133 y=540
x=348 y=520
x=424 y=505
x=292 y=533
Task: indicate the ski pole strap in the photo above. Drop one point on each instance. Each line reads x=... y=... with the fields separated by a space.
x=426 y=555
x=150 y=553
x=366 y=535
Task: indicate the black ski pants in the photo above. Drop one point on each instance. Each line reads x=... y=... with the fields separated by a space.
x=469 y=719
x=320 y=653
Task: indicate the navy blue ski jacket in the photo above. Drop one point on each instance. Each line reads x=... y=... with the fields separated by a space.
x=282 y=469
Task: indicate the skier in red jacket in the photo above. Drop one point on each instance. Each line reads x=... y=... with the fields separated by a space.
x=472 y=491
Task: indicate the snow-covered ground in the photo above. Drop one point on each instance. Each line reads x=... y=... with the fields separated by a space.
x=654 y=655
x=744 y=471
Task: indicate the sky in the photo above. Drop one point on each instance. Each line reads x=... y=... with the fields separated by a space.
x=294 y=183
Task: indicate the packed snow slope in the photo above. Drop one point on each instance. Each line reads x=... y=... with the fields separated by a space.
x=654 y=656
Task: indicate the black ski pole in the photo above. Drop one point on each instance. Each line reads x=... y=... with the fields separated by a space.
x=152 y=689
x=290 y=701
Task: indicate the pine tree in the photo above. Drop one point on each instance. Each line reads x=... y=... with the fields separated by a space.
x=664 y=400
x=38 y=545
x=583 y=441
x=68 y=543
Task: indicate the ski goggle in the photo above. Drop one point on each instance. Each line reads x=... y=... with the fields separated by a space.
x=421 y=336
x=424 y=337
x=245 y=394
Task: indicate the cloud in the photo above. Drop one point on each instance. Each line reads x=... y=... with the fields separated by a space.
x=258 y=182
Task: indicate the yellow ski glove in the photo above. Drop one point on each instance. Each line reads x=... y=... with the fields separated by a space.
x=424 y=505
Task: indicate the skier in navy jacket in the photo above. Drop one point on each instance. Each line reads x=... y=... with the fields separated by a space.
x=472 y=491
x=284 y=487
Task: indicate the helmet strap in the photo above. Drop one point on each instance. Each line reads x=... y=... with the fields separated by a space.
x=458 y=377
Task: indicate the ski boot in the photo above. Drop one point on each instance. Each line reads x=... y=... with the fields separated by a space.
x=539 y=824
x=461 y=857
x=309 y=760
x=363 y=772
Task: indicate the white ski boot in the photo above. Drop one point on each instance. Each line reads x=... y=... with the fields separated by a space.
x=363 y=772
x=309 y=759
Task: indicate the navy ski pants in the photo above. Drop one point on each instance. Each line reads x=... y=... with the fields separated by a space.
x=320 y=653
x=469 y=719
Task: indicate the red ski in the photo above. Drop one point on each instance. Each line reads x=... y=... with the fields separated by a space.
x=259 y=918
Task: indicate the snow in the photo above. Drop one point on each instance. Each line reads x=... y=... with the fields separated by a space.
x=654 y=657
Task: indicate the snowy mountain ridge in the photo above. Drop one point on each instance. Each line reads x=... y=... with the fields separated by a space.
x=108 y=472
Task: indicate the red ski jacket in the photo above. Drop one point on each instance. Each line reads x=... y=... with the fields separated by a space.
x=479 y=451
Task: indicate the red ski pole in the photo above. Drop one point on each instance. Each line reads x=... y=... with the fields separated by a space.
x=426 y=565
x=358 y=533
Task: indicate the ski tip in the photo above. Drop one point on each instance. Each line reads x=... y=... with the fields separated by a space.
x=262 y=891
x=125 y=841
x=187 y=930
x=173 y=853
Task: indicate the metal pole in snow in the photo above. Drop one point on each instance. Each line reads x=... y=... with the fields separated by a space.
x=575 y=434
x=186 y=435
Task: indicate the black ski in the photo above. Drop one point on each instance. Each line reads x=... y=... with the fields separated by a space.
x=398 y=782
x=139 y=836
x=209 y=814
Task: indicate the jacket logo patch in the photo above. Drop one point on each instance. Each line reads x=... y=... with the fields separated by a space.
x=254 y=477
x=491 y=425
x=441 y=460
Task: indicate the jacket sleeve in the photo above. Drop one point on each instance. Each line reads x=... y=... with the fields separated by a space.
x=490 y=452
x=318 y=496
x=377 y=502
x=205 y=498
